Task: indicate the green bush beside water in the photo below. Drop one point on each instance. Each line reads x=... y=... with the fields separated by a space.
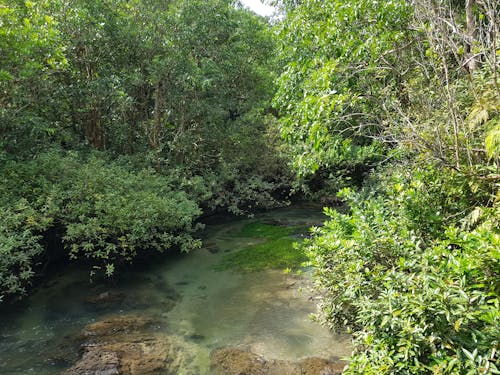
x=157 y=111
x=402 y=98
x=162 y=107
x=106 y=213
x=420 y=292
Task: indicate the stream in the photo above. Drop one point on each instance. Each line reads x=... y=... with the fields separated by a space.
x=265 y=312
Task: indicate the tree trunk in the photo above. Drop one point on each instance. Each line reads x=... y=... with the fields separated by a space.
x=155 y=134
x=471 y=35
x=94 y=132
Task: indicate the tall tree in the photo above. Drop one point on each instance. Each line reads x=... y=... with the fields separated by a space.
x=339 y=60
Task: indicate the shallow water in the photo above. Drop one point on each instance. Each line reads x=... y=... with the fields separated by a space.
x=266 y=312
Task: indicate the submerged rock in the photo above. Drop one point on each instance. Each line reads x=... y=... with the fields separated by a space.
x=320 y=366
x=212 y=248
x=122 y=345
x=105 y=298
x=144 y=356
x=233 y=361
x=96 y=362
x=112 y=328
x=278 y=222
x=133 y=297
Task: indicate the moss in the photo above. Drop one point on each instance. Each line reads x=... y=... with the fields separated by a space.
x=261 y=230
x=278 y=250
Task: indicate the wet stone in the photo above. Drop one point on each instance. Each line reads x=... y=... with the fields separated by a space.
x=96 y=362
x=213 y=249
x=278 y=222
x=122 y=345
x=167 y=290
x=234 y=361
x=109 y=328
x=231 y=361
x=196 y=337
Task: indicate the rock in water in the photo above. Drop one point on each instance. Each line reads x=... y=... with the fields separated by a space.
x=105 y=298
x=114 y=327
x=126 y=345
x=320 y=366
x=122 y=345
x=96 y=361
x=233 y=361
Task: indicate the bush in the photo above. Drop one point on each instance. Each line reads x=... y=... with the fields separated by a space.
x=111 y=213
x=106 y=212
x=413 y=273
x=20 y=226
x=437 y=312
x=242 y=192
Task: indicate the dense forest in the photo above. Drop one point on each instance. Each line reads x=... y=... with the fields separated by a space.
x=125 y=122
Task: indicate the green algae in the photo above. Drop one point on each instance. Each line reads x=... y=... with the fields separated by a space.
x=277 y=251
x=258 y=229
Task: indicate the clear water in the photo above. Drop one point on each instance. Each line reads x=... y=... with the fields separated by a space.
x=266 y=312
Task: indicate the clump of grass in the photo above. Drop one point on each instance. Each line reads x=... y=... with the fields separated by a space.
x=277 y=252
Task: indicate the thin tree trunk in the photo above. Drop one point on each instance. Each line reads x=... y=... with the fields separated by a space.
x=94 y=132
x=471 y=34
x=155 y=136
x=451 y=107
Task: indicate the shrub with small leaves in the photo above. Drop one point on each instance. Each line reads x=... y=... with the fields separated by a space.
x=419 y=289
x=105 y=212
x=20 y=228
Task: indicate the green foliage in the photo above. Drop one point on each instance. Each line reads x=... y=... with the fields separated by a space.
x=254 y=174
x=111 y=213
x=20 y=228
x=337 y=58
x=412 y=270
x=107 y=213
x=174 y=81
x=278 y=249
x=174 y=95
x=240 y=191
x=31 y=54
x=492 y=143
x=418 y=290
x=443 y=311
x=427 y=197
